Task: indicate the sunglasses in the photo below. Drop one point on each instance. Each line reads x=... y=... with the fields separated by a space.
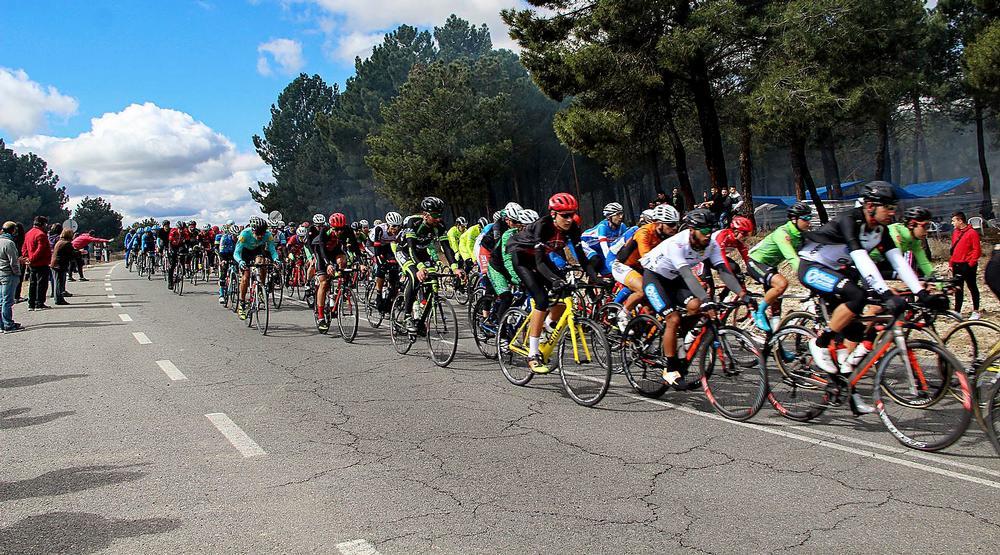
x=807 y=217
x=887 y=206
x=704 y=230
x=435 y=215
x=566 y=215
x=921 y=224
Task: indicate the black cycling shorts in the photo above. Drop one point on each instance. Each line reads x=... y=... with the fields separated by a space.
x=761 y=273
x=833 y=286
x=665 y=295
x=532 y=280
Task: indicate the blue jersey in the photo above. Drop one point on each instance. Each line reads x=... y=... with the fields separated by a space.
x=128 y=240
x=147 y=241
x=247 y=241
x=620 y=242
x=600 y=237
x=225 y=243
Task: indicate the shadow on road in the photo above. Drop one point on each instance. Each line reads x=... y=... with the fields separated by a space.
x=75 y=324
x=72 y=532
x=69 y=480
x=8 y=423
x=35 y=380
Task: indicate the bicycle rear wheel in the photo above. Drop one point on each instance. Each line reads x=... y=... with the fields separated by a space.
x=461 y=291
x=993 y=415
x=732 y=373
x=585 y=362
x=640 y=347
x=442 y=332
x=484 y=328
x=262 y=309
x=607 y=317
x=372 y=313
x=923 y=396
x=512 y=347
x=796 y=388
x=277 y=291
x=401 y=339
x=347 y=315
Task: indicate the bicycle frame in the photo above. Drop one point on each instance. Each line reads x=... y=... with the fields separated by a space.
x=566 y=320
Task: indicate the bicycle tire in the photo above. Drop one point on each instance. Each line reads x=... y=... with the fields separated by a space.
x=795 y=386
x=401 y=339
x=799 y=318
x=607 y=317
x=513 y=365
x=993 y=416
x=372 y=313
x=735 y=386
x=277 y=292
x=347 y=315
x=484 y=332
x=592 y=385
x=972 y=347
x=179 y=283
x=442 y=332
x=262 y=309
x=461 y=292
x=640 y=345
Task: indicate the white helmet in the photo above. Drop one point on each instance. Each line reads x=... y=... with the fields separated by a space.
x=461 y=221
x=302 y=232
x=497 y=215
x=377 y=223
x=319 y=219
x=647 y=215
x=527 y=216
x=364 y=223
x=511 y=208
x=393 y=218
x=613 y=208
x=666 y=214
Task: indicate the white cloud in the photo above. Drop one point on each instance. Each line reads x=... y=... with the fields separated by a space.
x=24 y=103
x=287 y=53
x=152 y=161
x=350 y=46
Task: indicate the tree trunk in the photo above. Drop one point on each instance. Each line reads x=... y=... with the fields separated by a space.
x=655 y=166
x=920 y=141
x=628 y=200
x=915 y=153
x=897 y=171
x=882 y=150
x=831 y=168
x=680 y=157
x=803 y=179
x=746 y=170
x=711 y=136
x=793 y=157
x=987 y=205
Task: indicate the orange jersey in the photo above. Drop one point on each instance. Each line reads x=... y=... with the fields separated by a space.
x=643 y=241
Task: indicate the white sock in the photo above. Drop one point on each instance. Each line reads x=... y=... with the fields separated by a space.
x=533 y=346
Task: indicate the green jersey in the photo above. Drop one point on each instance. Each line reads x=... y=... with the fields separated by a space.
x=454 y=234
x=467 y=240
x=780 y=245
x=904 y=239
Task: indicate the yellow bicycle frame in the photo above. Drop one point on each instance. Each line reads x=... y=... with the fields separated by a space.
x=546 y=348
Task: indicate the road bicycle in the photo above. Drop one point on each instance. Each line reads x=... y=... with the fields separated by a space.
x=181 y=271
x=378 y=306
x=433 y=318
x=486 y=316
x=276 y=285
x=342 y=303
x=582 y=357
x=258 y=309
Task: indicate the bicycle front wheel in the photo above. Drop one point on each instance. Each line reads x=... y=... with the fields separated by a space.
x=442 y=332
x=992 y=415
x=585 y=362
x=401 y=339
x=347 y=315
x=732 y=373
x=372 y=313
x=640 y=348
x=277 y=292
x=262 y=310
x=484 y=329
x=923 y=396
x=796 y=388
x=512 y=346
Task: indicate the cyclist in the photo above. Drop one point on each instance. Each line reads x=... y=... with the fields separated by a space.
x=384 y=238
x=597 y=240
x=147 y=243
x=482 y=253
x=330 y=248
x=177 y=245
x=908 y=236
x=530 y=249
x=729 y=238
x=501 y=268
x=834 y=259
x=127 y=243
x=626 y=268
x=163 y=237
x=225 y=244
x=671 y=285
x=467 y=241
x=422 y=234
x=780 y=245
x=250 y=247
x=454 y=235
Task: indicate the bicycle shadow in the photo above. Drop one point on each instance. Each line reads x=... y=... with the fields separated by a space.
x=9 y=418
x=38 y=379
x=75 y=532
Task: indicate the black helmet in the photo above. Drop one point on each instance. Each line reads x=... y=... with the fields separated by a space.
x=918 y=213
x=798 y=210
x=355 y=225
x=432 y=204
x=700 y=218
x=879 y=192
x=166 y=223
x=258 y=224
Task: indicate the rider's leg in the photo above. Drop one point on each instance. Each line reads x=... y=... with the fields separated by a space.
x=244 y=284
x=321 y=289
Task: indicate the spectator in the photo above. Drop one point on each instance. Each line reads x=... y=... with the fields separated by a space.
x=62 y=258
x=10 y=277
x=678 y=200
x=55 y=230
x=965 y=252
x=721 y=204
x=661 y=198
x=39 y=254
x=81 y=242
x=19 y=241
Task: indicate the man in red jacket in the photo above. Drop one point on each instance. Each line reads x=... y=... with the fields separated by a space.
x=965 y=252
x=38 y=251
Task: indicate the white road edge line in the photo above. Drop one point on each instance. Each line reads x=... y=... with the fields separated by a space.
x=112 y=296
x=116 y=304
x=171 y=370
x=141 y=338
x=357 y=547
x=237 y=437
x=125 y=317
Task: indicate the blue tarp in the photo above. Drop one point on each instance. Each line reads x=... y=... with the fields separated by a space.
x=912 y=191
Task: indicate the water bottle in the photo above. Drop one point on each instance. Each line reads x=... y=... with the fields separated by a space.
x=686 y=344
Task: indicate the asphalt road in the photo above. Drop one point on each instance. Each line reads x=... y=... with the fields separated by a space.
x=212 y=439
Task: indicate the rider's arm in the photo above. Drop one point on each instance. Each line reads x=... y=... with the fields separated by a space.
x=576 y=242
x=923 y=262
x=271 y=248
x=717 y=258
x=787 y=249
x=903 y=269
x=238 y=252
x=692 y=281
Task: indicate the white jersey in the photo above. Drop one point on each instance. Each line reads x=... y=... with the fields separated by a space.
x=383 y=234
x=839 y=255
x=675 y=252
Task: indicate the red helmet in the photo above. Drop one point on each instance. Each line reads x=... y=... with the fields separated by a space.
x=563 y=202
x=337 y=220
x=577 y=219
x=742 y=223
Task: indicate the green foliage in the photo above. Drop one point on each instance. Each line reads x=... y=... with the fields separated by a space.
x=96 y=214
x=982 y=58
x=28 y=188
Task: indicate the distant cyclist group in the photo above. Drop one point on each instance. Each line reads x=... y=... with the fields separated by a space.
x=546 y=294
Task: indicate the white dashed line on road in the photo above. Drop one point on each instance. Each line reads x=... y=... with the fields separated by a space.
x=171 y=370
x=240 y=440
x=125 y=317
x=112 y=296
x=141 y=338
x=116 y=304
x=357 y=547
x=108 y=289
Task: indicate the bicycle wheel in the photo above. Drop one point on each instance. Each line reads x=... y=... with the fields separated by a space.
x=796 y=388
x=310 y=295
x=442 y=332
x=799 y=318
x=732 y=373
x=484 y=328
x=372 y=313
x=179 y=281
x=640 y=347
x=585 y=362
x=401 y=339
x=263 y=309
x=607 y=317
x=347 y=315
x=477 y=293
x=277 y=292
x=928 y=401
x=972 y=342
x=993 y=415
x=461 y=291
x=512 y=346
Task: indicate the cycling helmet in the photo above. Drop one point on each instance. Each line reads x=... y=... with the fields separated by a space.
x=613 y=208
x=505 y=213
x=461 y=221
x=527 y=216
x=192 y=223
x=563 y=202
x=206 y=227
x=879 y=192
x=513 y=213
x=230 y=222
x=393 y=218
x=743 y=224
x=664 y=214
x=181 y=224
x=700 y=218
x=355 y=226
x=338 y=220
x=497 y=215
x=376 y=223
x=166 y=223
x=364 y=223
x=302 y=233
x=319 y=219
x=646 y=215
x=258 y=224
x=918 y=213
x=798 y=210
x=483 y=222
x=432 y=204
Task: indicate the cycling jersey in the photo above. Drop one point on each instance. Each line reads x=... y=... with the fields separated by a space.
x=225 y=243
x=419 y=242
x=333 y=241
x=668 y=257
x=454 y=234
x=779 y=245
x=248 y=243
x=726 y=238
x=909 y=245
x=466 y=241
x=147 y=241
x=482 y=253
x=178 y=238
x=163 y=237
x=616 y=246
x=601 y=236
x=644 y=240
x=383 y=241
